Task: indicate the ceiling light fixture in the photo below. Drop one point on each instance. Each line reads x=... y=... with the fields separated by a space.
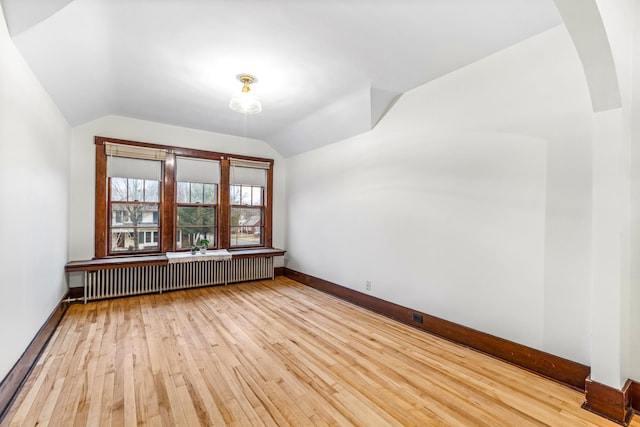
x=244 y=101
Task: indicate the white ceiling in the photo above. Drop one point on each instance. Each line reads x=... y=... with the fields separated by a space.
x=326 y=69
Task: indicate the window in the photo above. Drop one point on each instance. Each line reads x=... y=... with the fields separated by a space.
x=246 y=198
x=196 y=201
x=134 y=204
x=154 y=199
x=148 y=237
x=246 y=215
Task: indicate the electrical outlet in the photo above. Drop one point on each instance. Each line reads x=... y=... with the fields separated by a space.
x=367 y=285
x=417 y=317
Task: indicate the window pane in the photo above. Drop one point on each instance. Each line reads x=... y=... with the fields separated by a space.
x=196 y=192
x=246 y=236
x=133 y=239
x=210 y=193
x=186 y=237
x=151 y=191
x=136 y=190
x=246 y=195
x=196 y=215
x=119 y=189
x=246 y=226
x=257 y=196
x=184 y=192
x=234 y=195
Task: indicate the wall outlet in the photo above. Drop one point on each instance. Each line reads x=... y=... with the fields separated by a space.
x=417 y=317
x=367 y=285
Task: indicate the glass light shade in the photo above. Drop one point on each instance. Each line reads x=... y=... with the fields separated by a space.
x=246 y=103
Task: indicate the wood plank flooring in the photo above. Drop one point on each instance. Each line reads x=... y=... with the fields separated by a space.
x=272 y=353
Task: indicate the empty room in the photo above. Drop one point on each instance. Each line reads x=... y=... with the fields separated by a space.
x=368 y=213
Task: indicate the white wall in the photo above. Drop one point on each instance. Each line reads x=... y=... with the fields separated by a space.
x=34 y=162
x=469 y=201
x=634 y=327
x=81 y=215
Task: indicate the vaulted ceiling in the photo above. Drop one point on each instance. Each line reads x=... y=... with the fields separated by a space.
x=326 y=69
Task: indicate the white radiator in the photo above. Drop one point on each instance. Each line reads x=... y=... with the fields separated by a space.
x=244 y=269
x=194 y=274
x=119 y=282
x=125 y=281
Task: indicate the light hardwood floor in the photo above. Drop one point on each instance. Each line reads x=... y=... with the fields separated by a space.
x=272 y=353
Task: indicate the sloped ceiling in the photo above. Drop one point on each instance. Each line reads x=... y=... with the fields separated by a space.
x=326 y=69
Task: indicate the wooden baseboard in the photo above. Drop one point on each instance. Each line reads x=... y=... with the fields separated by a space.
x=609 y=402
x=565 y=371
x=278 y=271
x=15 y=379
x=635 y=396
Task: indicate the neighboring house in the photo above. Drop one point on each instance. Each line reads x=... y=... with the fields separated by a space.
x=128 y=234
x=250 y=225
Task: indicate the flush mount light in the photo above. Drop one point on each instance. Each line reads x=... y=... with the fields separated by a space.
x=244 y=101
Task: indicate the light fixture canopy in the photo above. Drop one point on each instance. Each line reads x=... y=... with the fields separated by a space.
x=244 y=101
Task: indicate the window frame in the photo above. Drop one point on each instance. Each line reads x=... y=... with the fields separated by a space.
x=167 y=222
x=111 y=228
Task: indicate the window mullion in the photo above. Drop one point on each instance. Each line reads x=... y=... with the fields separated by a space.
x=224 y=210
x=168 y=201
x=101 y=203
x=267 y=206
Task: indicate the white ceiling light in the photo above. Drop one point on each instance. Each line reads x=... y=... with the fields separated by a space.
x=244 y=101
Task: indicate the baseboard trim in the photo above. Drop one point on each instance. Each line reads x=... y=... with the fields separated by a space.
x=278 y=271
x=15 y=379
x=635 y=396
x=609 y=402
x=564 y=371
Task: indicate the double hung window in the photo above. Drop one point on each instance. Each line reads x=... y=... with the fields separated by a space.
x=248 y=180
x=133 y=200
x=196 y=201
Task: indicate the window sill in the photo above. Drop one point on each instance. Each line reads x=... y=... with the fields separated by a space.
x=256 y=252
x=159 y=259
